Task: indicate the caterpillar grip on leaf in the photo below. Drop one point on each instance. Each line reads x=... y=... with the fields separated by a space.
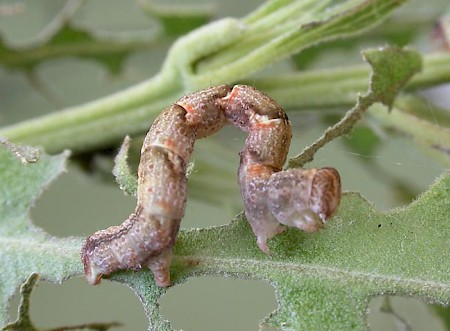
x=302 y=198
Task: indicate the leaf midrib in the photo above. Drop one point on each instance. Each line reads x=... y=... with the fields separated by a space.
x=231 y=266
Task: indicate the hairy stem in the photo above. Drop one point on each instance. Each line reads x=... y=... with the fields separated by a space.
x=131 y=111
x=340 y=128
x=208 y=56
x=99 y=122
x=339 y=87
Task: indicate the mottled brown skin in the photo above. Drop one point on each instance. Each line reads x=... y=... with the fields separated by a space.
x=264 y=153
x=297 y=197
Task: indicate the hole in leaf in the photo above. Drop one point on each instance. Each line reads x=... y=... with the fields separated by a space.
x=13 y=306
x=210 y=303
x=392 y=313
x=76 y=204
x=74 y=303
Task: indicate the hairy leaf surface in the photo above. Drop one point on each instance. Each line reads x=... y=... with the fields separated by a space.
x=24 y=248
x=325 y=280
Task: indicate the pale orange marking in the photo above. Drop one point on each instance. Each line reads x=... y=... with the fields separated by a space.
x=233 y=94
x=164 y=204
x=265 y=125
x=170 y=144
x=256 y=169
x=188 y=107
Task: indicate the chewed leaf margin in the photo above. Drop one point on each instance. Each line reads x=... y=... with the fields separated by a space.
x=323 y=280
x=25 y=249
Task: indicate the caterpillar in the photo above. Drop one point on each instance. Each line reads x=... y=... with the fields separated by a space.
x=302 y=198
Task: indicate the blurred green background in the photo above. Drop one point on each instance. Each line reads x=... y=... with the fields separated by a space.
x=79 y=203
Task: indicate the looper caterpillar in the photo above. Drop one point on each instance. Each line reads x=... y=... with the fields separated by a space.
x=296 y=197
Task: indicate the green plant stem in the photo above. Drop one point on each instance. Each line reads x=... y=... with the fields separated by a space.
x=340 y=128
x=434 y=138
x=96 y=123
x=340 y=87
x=131 y=111
x=33 y=56
x=202 y=58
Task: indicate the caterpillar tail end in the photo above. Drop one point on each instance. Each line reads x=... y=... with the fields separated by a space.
x=91 y=271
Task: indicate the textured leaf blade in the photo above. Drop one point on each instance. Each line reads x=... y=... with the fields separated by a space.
x=24 y=248
x=70 y=40
x=325 y=280
x=178 y=19
x=365 y=253
x=392 y=68
x=124 y=177
x=300 y=25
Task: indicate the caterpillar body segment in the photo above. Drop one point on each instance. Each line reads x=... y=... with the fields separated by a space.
x=303 y=198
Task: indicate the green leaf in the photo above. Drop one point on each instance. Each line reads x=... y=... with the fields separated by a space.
x=180 y=18
x=259 y=43
x=125 y=178
x=24 y=248
x=392 y=67
x=69 y=40
x=23 y=319
x=62 y=38
x=324 y=280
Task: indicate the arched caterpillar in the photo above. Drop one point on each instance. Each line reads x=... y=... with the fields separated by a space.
x=296 y=197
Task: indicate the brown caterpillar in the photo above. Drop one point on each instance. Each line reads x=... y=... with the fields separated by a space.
x=296 y=197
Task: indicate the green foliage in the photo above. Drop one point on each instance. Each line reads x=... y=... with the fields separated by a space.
x=125 y=178
x=177 y=19
x=316 y=275
x=323 y=281
x=391 y=69
x=402 y=252
x=221 y=52
x=23 y=321
x=66 y=39
x=24 y=248
x=69 y=40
